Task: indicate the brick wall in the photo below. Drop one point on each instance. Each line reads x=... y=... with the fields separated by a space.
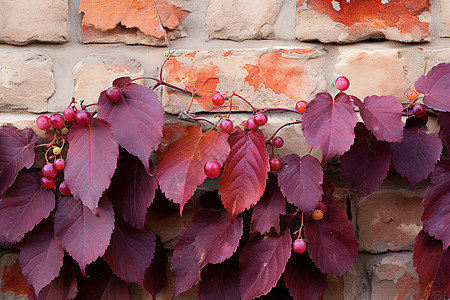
x=272 y=52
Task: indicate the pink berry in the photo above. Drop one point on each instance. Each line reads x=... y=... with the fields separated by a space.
x=251 y=124
x=299 y=245
x=260 y=119
x=83 y=118
x=113 y=94
x=300 y=107
x=278 y=142
x=64 y=189
x=218 y=99
x=47 y=183
x=69 y=114
x=226 y=125
x=43 y=122
x=212 y=169
x=49 y=170
x=342 y=83
x=60 y=164
x=411 y=95
x=275 y=163
x=419 y=110
x=57 y=121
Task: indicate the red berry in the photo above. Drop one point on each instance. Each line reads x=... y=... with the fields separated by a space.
x=299 y=245
x=60 y=164
x=113 y=94
x=218 y=99
x=49 y=170
x=342 y=83
x=411 y=95
x=317 y=214
x=69 y=114
x=278 y=142
x=212 y=169
x=43 y=122
x=245 y=124
x=251 y=124
x=226 y=125
x=57 y=121
x=275 y=163
x=322 y=206
x=83 y=118
x=260 y=119
x=64 y=189
x=419 y=110
x=301 y=106
x=47 y=183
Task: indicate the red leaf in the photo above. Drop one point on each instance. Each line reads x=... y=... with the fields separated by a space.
x=16 y=152
x=367 y=162
x=303 y=279
x=416 y=157
x=91 y=161
x=105 y=286
x=23 y=206
x=138 y=112
x=433 y=266
x=155 y=278
x=220 y=281
x=383 y=116
x=130 y=252
x=82 y=234
x=300 y=181
x=436 y=217
x=63 y=287
x=181 y=166
x=328 y=124
x=331 y=241
x=41 y=256
x=245 y=173
x=121 y=82
x=435 y=85
x=132 y=190
x=262 y=262
x=444 y=128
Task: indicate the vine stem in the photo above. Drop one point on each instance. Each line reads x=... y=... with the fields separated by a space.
x=197 y=118
x=85 y=106
x=161 y=25
x=171 y=239
x=243 y=99
x=41 y=145
x=278 y=108
x=281 y=127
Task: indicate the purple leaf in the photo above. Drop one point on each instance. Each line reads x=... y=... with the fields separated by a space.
x=331 y=241
x=23 y=206
x=132 y=190
x=63 y=287
x=328 y=124
x=130 y=251
x=383 y=116
x=121 y=82
x=16 y=152
x=300 y=181
x=262 y=262
x=416 y=157
x=435 y=87
x=303 y=279
x=155 y=278
x=82 y=234
x=105 y=286
x=444 y=131
x=367 y=162
x=138 y=112
x=436 y=216
x=220 y=281
x=41 y=256
x=91 y=161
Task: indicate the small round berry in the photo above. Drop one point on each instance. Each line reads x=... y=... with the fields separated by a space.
x=218 y=99
x=113 y=94
x=419 y=110
x=64 y=189
x=260 y=119
x=57 y=151
x=317 y=214
x=49 y=170
x=411 y=95
x=278 y=142
x=64 y=130
x=245 y=124
x=299 y=245
x=322 y=206
x=226 y=125
x=43 y=122
x=342 y=83
x=69 y=114
x=57 y=121
x=59 y=164
x=251 y=124
x=212 y=169
x=83 y=118
x=275 y=163
x=301 y=106
x=47 y=183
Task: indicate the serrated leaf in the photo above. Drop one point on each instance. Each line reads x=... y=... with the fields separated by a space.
x=243 y=180
x=91 y=161
x=41 y=256
x=181 y=166
x=155 y=278
x=303 y=279
x=130 y=251
x=331 y=241
x=262 y=262
x=16 y=152
x=63 y=287
x=328 y=124
x=383 y=116
x=416 y=157
x=433 y=266
x=444 y=128
x=435 y=87
x=220 y=281
x=138 y=112
x=23 y=206
x=300 y=181
x=104 y=286
x=367 y=162
x=83 y=235
x=132 y=190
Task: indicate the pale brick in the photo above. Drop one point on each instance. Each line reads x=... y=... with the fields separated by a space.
x=341 y=21
x=240 y=20
x=389 y=220
x=96 y=72
x=26 y=81
x=13 y=284
x=22 y=121
x=435 y=57
x=335 y=288
x=25 y=21
x=445 y=17
x=265 y=77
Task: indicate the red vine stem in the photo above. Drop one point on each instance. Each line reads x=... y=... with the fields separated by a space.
x=243 y=99
x=281 y=127
x=278 y=108
x=197 y=118
x=161 y=25
x=171 y=239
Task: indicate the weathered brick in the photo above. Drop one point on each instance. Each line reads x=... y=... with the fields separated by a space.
x=389 y=220
x=240 y=20
x=436 y=56
x=340 y=21
x=445 y=17
x=265 y=77
x=26 y=81
x=21 y=121
x=335 y=289
x=24 y=21
x=13 y=284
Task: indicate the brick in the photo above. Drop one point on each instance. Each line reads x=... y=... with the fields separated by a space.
x=96 y=72
x=13 y=284
x=351 y=21
x=445 y=17
x=389 y=220
x=335 y=289
x=26 y=81
x=436 y=56
x=240 y=20
x=24 y=21
x=265 y=77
